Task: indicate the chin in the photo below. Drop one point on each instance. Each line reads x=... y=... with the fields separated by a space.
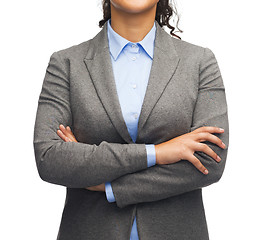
x=134 y=6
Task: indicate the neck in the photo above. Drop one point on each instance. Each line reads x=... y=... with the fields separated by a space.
x=132 y=26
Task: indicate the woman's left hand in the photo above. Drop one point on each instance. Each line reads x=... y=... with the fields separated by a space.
x=66 y=135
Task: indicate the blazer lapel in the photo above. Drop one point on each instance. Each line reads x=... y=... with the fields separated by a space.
x=165 y=62
x=99 y=65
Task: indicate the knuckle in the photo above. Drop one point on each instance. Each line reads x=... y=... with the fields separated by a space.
x=203 y=147
x=201 y=134
x=209 y=135
x=206 y=135
x=197 y=163
x=212 y=129
x=193 y=160
x=206 y=128
x=202 y=129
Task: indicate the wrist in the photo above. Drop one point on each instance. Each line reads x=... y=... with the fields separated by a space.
x=157 y=154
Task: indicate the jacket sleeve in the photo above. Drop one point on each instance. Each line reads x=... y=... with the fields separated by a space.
x=151 y=161
x=164 y=181
x=75 y=164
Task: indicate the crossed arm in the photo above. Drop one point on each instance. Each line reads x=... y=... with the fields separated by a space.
x=75 y=164
x=125 y=165
x=163 y=181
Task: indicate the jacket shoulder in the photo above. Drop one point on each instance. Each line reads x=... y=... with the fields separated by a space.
x=188 y=49
x=77 y=51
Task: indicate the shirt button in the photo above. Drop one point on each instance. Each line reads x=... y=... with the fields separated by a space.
x=134 y=85
x=135 y=115
x=133 y=58
x=133 y=45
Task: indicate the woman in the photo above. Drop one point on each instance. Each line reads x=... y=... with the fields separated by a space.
x=146 y=128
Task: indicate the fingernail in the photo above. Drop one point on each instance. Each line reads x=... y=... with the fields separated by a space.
x=219 y=159
x=223 y=145
x=206 y=171
x=221 y=129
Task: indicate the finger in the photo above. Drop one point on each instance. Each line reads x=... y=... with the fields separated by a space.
x=71 y=133
x=207 y=150
x=63 y=136
x=195 y=161
x=69 y=130
x=206 y=136
x=210 y=129
x=63 y=129
x=60 y=134
x=67 y=133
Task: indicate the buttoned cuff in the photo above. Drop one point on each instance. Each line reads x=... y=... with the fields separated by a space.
x=151 y=156
x=109 y=192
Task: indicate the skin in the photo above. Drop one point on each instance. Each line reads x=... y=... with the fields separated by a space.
x=133 y=19
x=174 y=150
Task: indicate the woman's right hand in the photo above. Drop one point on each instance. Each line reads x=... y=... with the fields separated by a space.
x=184 y=146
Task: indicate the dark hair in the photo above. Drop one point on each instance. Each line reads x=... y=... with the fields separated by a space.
x=164 y=11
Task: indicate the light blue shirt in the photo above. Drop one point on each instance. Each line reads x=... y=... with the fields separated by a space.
x=131 y=67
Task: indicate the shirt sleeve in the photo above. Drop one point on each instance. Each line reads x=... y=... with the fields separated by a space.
x=109 y=192
x=151 y=157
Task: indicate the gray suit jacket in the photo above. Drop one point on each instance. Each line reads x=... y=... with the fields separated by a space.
x=185 y=91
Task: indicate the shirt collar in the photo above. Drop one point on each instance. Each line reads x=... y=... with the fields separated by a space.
x=117 y=42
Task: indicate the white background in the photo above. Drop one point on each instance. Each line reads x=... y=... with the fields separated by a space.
x=236 y=206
